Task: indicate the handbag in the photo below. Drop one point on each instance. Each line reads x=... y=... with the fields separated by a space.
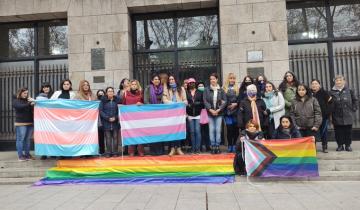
x=204 y=118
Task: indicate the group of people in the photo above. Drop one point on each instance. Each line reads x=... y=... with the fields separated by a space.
x=255 y=110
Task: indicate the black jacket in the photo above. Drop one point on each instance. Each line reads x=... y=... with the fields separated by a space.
x=325 y=102
x=280 y=134
x=345 y=105
x=195 y=104
x=23 y=111
x=107 y=110
x=245 y=113
x=231 y=98
x=208 y=100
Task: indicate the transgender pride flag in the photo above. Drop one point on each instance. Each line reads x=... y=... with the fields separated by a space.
x=152 y=123
x=66 y=127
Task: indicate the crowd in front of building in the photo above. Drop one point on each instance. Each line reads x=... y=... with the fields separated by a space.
x=255 y=109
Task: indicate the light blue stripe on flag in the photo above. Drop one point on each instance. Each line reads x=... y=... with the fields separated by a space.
x=66 y=150
x=156 y=138
x=83 y=126
x=150 y=107
x=67 y=104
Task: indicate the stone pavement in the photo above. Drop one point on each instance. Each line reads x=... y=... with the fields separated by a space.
x=240 y=195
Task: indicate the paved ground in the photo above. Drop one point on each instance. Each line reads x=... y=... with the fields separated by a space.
x=240 y=195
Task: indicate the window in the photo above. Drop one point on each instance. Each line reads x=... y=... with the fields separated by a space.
x=346 y=20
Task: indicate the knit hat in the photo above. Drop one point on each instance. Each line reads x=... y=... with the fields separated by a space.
x=251 y=88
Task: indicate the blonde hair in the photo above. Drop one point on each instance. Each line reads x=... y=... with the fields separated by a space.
x=137 y=84
x=227 y=82
x=81 y=92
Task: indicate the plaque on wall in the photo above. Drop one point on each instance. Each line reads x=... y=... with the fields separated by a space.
x=254 y=56
x=255 y=71
x=98 y=79
x=97 y=58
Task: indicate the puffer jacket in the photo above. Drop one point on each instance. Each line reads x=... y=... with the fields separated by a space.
x=108 y=108
x=221 y=100
x=325 y=102
x=289 y=96
x=280 y=134
x=306 y=114
x=345 y=104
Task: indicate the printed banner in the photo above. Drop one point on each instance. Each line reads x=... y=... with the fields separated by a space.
x=281 y=158
x=66 y=127
x=152 y=123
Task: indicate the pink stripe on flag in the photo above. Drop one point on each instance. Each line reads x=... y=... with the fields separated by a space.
x=66 y=114
x=152 y=114
x=151 y=131
x=70 y=138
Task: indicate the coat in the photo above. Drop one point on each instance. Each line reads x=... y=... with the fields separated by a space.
x=168 y=94
x=306 y=114
x=23 y=111
x=276 y=105
x=345 y=105
x=289 y=96
x=231 y=97
x=245 y=113
x=280 y=134
x=108 y=109
x=221 y=100
x=129 y=98
x=147 y=96
x=325 y=102
x=195 y=104
x=57 y=94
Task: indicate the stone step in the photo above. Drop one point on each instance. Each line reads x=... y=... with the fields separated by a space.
x=339 y=165
x=22 y=172
x=27 y=164
x=333 y=155
x=19 y=181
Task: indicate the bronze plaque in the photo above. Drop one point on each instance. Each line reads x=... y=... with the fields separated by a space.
x=255 y=72
x=98 y=79
x=97 y=58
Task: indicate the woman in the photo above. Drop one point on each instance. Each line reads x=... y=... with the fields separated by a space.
x=251 y=132
x=110 y=120
x=45 y=91
x=253 y=108
x=325 y=102
x=306 y=112
x=84 y=92
x=123 y=87
x=345 y=106
x=205 y=139
x=260 y=84
x=134 y=97
x=275 y=103
x=174 y=93
x=65 y=91
x=215 y=103
x=193 y=109
x=232 y=91
x=99 y=95
x=288 y=89
x=23 y=105
x=153 y=95
x=286 y=129
x=242 y=92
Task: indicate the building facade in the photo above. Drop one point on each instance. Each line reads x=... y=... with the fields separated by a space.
x=104 y=41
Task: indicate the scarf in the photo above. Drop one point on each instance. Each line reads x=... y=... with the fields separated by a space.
x=254 y=110
x=65 y=94
x=154 y=92
x=252 y=135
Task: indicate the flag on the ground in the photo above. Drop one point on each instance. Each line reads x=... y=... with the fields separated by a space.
x=281 y=158
x=143 y=170
x=151 y=123
x=66 y=127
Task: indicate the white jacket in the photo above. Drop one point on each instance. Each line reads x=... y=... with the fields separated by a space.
x=57 y=94
x=277 y=108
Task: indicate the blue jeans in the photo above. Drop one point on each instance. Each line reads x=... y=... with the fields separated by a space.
x=23 y=137
x=215 y=130
x=195 y=134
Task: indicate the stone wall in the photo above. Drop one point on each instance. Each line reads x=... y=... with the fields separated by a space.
x=107 y=24
x=250 y=25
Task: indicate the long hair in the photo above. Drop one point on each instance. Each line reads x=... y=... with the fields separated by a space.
x=292 y=126
x=81 y=90
x=121 y=86
x=139 y=88
x=178 y=87
x=243 y=85
x=276 y=91
x=44 y=85
x=308 y=91
x=20 y=91
x=62 y=83
x=227 y=83
x=295 y=82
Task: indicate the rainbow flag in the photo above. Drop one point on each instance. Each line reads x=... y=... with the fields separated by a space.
x=281 y=158
x=66 y=127
x=148 y=169
x=152 y=123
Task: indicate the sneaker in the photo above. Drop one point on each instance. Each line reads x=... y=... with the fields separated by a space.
x=29 y=157
x=22 y=159
x=340 y=148
x=348 y=148
x=43 y=157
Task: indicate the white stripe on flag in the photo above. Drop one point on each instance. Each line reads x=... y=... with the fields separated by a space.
x=155 y=122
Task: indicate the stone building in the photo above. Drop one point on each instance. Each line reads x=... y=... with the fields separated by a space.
x=104 y=41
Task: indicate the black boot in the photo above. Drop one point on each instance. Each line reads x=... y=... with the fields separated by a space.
x=340 y=148
x=324 y=148
x=348 y=148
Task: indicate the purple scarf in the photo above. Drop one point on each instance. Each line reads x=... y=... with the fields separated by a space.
x=154 y=92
